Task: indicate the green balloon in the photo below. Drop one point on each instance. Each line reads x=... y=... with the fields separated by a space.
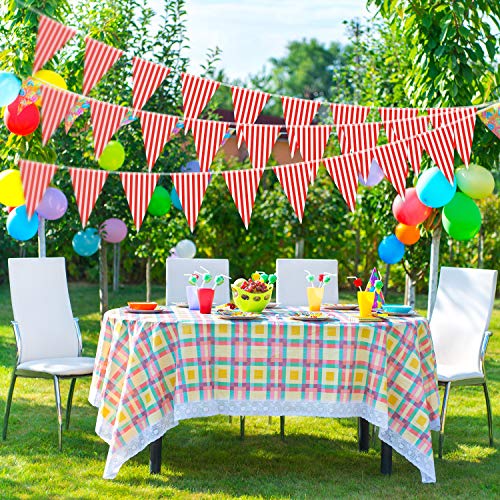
x=160 y=202
x=461 y=217
x=112 y=157
x=475 y=181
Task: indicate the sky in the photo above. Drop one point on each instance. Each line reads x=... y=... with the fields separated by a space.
x=249 y=32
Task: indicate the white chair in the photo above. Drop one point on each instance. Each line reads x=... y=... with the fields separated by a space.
x=48 y=337
x=177 y=282
x=459 y=324
x=291 y=284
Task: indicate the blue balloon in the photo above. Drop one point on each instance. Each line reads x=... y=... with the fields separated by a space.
x=86 y=242
x=433 y=188
x=19 y=226
x=191 y=166
x=174 y=197
x=391 y=250
x=10 y=86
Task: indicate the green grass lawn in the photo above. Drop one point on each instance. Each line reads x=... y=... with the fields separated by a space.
x=204 y=458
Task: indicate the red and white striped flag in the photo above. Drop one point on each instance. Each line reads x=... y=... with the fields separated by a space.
x=88 y=185
x=248 y=105
x=191 y=188
x=51 y=37
x=106 y=120
x=348 y=113
x=56 y=103
x=294 y=179
x=391 y=117
x=208 y=137
x=297 y=112
x=138 y=188
x=440 y=116
x=147 y=77
x=99 y=57
x=156 y=132
x=260 y=140
x=243 y=185
x=344 y=172
x=312 y=143
x=36 y=177
x=392 y=160
x=196 y=92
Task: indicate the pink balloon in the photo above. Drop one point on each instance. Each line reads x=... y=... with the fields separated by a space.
x=375 y=175
x=113 y=230
x=410 y=211
x=53 y=205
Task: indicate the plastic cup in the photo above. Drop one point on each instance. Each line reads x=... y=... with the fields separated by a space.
x=206 y=298
x=315 y=297
x=365 y=302
x=192 y=298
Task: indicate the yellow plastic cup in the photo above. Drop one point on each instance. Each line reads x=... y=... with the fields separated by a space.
x=315 y=297
x=365 y=302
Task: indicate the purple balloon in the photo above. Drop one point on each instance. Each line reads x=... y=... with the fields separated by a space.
x=53 y=205
x=375 y=175
x=113 y=230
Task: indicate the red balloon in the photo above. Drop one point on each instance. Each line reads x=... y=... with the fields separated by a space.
x=23 y=123
x=410 y=211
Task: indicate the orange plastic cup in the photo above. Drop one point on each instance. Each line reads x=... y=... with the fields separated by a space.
x=315 y=297
x=365 y=302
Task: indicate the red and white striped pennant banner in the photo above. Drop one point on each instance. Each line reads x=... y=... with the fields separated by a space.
x=392 y=160
x=191 y=188
x=56 y=103
x=196 y=92
x=147 y=77
x=243 y=185
x=35 y=177
x=348 y=113
x=87 y=185
x=138 y=188
x=312 y=143
x=106 y=120
x=99 y=57
x=344 y=172
x=260 y=140
x=51 y=37
x=248 y=105
x=156 y=132
x=392 y=116
x=297 y=112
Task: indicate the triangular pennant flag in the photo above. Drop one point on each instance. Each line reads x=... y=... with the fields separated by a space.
x=208 y=137
x=81 y=105
x=156 y=132
x=88 y=185
x=260 y=140
x=190 y=188
x=464 y=121
x=440 y=116
x=297 y=112
x=55 y=104
x=248 y=105
x=391 y=118
x=491 y=118
x=35 y=177
x=348 y=113
x=312 y=142
x=106 y=120
x=196 y=92
x=294 y=179
x=51 y=37
x=99 y=58
x=243 y=185
x=147 y=77
x=344 y=172
x=138 y=188
x=392 y=160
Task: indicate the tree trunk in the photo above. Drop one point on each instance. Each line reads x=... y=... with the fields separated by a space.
x=480 y=247
x=42 y=245
x=357 y=256
x=103 y=279
x=116 y=267
x=410 y=291
x=148 y=279
x=386 y=281
x=299 y=248
x=433 y=270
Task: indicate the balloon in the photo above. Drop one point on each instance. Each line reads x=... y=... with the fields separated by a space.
x=86 y=242
x=375 y=175
x=408 y=235
x=160 y=201
x=176 y=202
x=10 y=86
x=50 y=77
x=185 y=249
x=461 y=217
x=23 y=123
x=434 y=189
x=19 y=226
x=391 y=250
x=53 y=205
x=112 y=157
x=475 y=181
x=410 y=211
x=191 y=166
x=11 y=188
x=113 y=230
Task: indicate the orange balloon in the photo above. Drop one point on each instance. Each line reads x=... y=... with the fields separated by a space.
x=408 y=235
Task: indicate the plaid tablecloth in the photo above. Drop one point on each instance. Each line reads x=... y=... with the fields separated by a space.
x=153 y=370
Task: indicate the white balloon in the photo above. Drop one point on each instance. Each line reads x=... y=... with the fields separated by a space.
x=185 y=249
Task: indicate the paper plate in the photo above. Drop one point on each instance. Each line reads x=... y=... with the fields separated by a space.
x=340 y=307
x=158 y=310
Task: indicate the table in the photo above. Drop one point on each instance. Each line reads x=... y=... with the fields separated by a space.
x=154 y=370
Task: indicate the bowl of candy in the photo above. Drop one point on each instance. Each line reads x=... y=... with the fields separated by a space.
x=254 y=294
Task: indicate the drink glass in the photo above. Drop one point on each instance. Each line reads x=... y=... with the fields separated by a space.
x=192 y=298
x=206 y=298
x=315 y=297
x=365 y=302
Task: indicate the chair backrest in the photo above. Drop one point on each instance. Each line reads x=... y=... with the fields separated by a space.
x=461 y=315
x=177 y=282
x=41 y=307
x=291 y=284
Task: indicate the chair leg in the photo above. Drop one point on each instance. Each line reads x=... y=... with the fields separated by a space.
x=443 y=418
x=488 y=412
x=57 y=392
x=242 y=428
x=7 y=407
x=69 y=406
x=282 y=427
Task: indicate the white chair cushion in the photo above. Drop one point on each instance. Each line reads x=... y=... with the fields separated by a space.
x=60 y=366
x=450 y=373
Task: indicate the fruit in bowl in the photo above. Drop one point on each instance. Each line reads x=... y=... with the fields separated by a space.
x=251 y=295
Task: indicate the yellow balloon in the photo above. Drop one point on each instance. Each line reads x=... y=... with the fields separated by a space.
x=50 y=77
x=11 y=188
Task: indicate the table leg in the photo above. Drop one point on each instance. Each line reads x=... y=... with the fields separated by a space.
x=385 y=458
x=155 y=456
x=363 y=434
